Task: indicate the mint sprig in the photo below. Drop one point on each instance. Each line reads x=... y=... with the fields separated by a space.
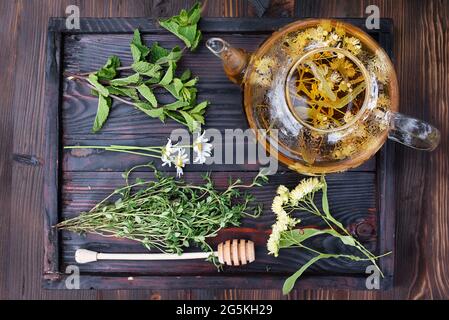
x=185 y=26
x=154 y=69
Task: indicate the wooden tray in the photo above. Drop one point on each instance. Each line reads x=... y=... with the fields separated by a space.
x=361 y=198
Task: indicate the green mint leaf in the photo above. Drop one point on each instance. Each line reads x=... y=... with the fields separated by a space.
x=188 y=34
x=149 y=110
x=200 y=107
x=177 y=85
x=139 y=51
x=137 y=39
x=157 y=52
x=173 y=56
x=109 y=70
x=175 y=105
x=135 y=52
x=146 y=92
x=146 y=69
x=124 y=91
x=199 y=118
x=191 y=82
x=192 y=124
x=186 y=75
x=194 y=14
x=168 y=77
x=93 y=80
x=104 y=104
x=184 y=26
x=171 y=88
x=132 y=79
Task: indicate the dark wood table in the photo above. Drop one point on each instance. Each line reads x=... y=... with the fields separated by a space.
x=422 y=61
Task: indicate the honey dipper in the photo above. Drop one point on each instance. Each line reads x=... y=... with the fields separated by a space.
x=231 y=252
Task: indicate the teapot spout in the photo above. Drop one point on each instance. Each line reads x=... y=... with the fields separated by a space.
x=234 y=60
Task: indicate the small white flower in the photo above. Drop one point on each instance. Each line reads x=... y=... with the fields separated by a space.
x=167 y=153
x=180 y=160
x=202 y=148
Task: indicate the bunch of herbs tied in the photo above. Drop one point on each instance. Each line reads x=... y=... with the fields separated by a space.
x=154 y=69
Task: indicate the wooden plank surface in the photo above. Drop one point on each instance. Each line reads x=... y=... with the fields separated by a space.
x=421 y=45
x=86 y=177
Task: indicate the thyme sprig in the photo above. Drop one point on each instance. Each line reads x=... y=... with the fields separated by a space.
x=168 y=214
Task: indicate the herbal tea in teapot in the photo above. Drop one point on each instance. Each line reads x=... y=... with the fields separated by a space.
x=328 y=90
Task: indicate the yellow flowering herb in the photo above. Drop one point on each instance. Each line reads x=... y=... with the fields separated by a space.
x=286 y=234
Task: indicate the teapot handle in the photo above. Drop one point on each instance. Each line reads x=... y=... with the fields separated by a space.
x=413 y=133
x=235 y=60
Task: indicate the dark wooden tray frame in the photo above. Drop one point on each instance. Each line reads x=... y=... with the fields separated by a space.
x=54 y=278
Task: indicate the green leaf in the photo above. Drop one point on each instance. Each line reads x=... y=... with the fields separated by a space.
x=136 y=37
x=176 y=105
x=199 y=118
x=135 y=52
x=104 y=104
x=168 y=77
x=191 y=82
x=192 y=124
x=188 y=34
x=146 y=68
x=173 y=56
x=157 y=52
x=146 y=92
x=348 y=240
x=138 y=50
x=109 y=70
x=290 y=282
x=123 y=91
x=184 y=26
x=195 y=13
x=93 y=80
x=132 y=79
x=200 y=107
x=186 y=75
x=149 y=110
x=324 y=201
x=171 y=88
x=177 y=85
x=297 y=236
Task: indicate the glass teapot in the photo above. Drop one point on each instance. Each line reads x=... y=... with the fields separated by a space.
x=325 y=94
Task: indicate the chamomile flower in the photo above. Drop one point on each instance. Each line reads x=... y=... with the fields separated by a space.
x=180 y=160
x=202 y=148
x=167 y=153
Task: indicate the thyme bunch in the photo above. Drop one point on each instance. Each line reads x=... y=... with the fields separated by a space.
x=168 y=214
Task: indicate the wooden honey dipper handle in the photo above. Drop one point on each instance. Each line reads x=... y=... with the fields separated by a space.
x=236 y=252
x=232 y=252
